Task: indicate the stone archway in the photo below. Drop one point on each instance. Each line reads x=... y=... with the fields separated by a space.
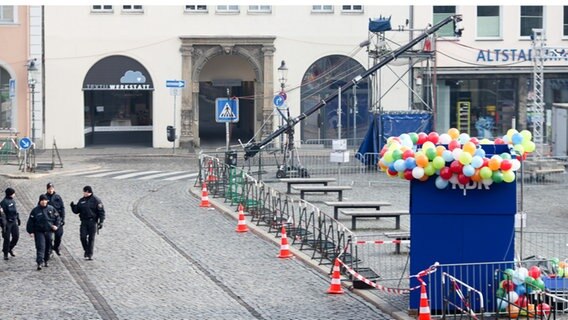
x=197 y=51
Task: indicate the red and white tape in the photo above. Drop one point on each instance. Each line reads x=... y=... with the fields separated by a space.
x=383 y=242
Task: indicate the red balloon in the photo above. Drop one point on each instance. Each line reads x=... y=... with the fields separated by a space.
x=522 y=301
x=408 y=174
x=474 y=140
x=445 y=173
x=453 y=144
x=499 y=141
x=534 y=272
x=508 y=285
x=543 y=309
x=523 y=157
x=485 y=162
x=392 y=173
x=506 y=164
x=463 y=179
x=407 y=154
x=422 y=137
x=433 y=137
x=456 y=166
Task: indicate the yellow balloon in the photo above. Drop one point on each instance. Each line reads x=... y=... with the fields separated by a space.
x=530 y=146
x=469 y=147
x=527 y=135
x=428 y=145
x=511 y=132
x=508 y=176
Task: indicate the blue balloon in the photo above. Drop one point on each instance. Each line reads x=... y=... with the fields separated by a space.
x=399 y=165
x=441 y=183
x=391 y=167
x=447 y=156
x=410 y=163
x=476 y=162
x=517 y=138
x=468 y=170
x=479 y=152
x=520 y=289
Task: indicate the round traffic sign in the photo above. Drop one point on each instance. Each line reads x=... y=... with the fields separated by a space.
x=278 y=100
x=25 y=143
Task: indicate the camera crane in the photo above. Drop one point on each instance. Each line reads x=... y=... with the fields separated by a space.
x=252 y=148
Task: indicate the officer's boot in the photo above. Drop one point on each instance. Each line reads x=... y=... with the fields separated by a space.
x=6 y=256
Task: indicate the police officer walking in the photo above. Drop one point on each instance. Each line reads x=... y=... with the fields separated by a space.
x=41 y=224
x=56 y=202
x=11 y=231
x=92 y=214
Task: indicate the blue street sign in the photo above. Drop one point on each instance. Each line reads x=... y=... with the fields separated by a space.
x=226 y=110
x=25 y=143
x=12 y=88
x=175 y=83
x=278 y=100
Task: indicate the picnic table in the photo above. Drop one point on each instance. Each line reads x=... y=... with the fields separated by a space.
x=311 y=189
x=355 y=204
x=292 y=181
x=355 y=214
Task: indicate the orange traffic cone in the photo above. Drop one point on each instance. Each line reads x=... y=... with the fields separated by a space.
x=284 y=247
x=335 y=280
x=210 y=175
x=204 y=197
x=242 y=224
x=424 y=313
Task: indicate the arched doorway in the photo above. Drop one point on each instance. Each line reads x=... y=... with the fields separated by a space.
x=7 y=95
x=118 y=103
x=221 y=77
x=323 y=78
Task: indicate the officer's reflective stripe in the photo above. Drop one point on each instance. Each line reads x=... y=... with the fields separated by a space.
x=159 y=175
x=87 y=172
x=190 y=175
x=139 y=173
x=108 y=173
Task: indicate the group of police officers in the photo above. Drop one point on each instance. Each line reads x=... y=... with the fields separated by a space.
x=45 y=223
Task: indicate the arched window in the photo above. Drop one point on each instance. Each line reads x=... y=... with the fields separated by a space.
x=323 y=78
x=5 y=100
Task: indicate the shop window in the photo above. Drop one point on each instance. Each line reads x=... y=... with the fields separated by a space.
x=259 y=9
x=201 y=8
x=322 y=8
x=489 y=21
x=352 y=8
x=440 y=13
x=531 y=18
x=565 y=32
x=105 y=8
x=7 y=14
x=228 y=9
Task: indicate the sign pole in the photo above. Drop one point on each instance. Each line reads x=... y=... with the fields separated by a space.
x=174 y=142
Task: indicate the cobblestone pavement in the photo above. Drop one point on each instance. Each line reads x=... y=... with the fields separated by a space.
x=159 y=256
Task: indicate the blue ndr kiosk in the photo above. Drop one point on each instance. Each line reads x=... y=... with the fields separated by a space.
x=452 y=226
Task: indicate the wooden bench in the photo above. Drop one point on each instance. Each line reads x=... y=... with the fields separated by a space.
x=398 y=236
x=291 y=181
x=374 y=214
x=311 y=189
x=355 y=204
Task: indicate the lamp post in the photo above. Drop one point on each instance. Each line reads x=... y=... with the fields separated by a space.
x=32 y=70
x=282 y=78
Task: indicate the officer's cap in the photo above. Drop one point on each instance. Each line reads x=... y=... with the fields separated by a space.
x=88 y=189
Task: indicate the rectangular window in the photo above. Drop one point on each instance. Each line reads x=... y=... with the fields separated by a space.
x=228 y=9
x=260 y=9
x=352 y=8
x=565 y=21
x=488 y=21
x=441 y=13
x=531 y=18
x=196 y=8
x=322 y=8
x=7 y=14
x=132 y=8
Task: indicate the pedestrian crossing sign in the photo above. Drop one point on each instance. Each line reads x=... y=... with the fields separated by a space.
x=227 y=110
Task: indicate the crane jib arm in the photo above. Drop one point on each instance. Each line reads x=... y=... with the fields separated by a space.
x=253 y=148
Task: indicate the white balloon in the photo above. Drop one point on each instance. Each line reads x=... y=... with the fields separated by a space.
x=454 y=179
x=418 y=172
x=516 y=164
x=444 y=138
x=512 y=296
x=463 y=138
x=487 y=182
x=523 y=272
x=457 y=153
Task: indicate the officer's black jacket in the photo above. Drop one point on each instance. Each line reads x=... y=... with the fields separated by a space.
x=9 y=207
x=41 y=219
x=56 y=202
x=90 y=208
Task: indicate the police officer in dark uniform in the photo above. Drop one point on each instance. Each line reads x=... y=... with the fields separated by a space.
x=92 y=214
x=11 y=232
x=41 y=225
x=56 y=202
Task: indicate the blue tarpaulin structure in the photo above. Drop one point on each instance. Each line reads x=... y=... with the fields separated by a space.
x=392 y=124
x=380 y=24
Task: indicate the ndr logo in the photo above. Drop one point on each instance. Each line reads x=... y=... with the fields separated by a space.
x=470 y=186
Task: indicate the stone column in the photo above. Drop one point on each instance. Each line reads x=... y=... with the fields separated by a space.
x=188 y=119
x=268 y=88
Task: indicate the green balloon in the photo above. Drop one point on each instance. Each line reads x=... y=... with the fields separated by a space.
x=508 y=274
x=396 y=154
x=429 y=169
x=413 y=137
x=438 y=163
x=508 y=176
x=506 y=155
x=431 y=153
x=500 y=293
x=497 y=177
x=485 y=173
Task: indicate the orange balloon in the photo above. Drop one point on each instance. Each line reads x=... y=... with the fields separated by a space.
x=476 y=177
x=469 y=147
x=454 y=133
x=440 y=150
x=494 y=164
x=421 y=160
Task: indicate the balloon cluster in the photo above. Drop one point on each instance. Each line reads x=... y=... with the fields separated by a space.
x=454 y=157
x=513 y=291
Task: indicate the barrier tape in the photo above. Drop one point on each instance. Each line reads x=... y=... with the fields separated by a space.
x=383 y=242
